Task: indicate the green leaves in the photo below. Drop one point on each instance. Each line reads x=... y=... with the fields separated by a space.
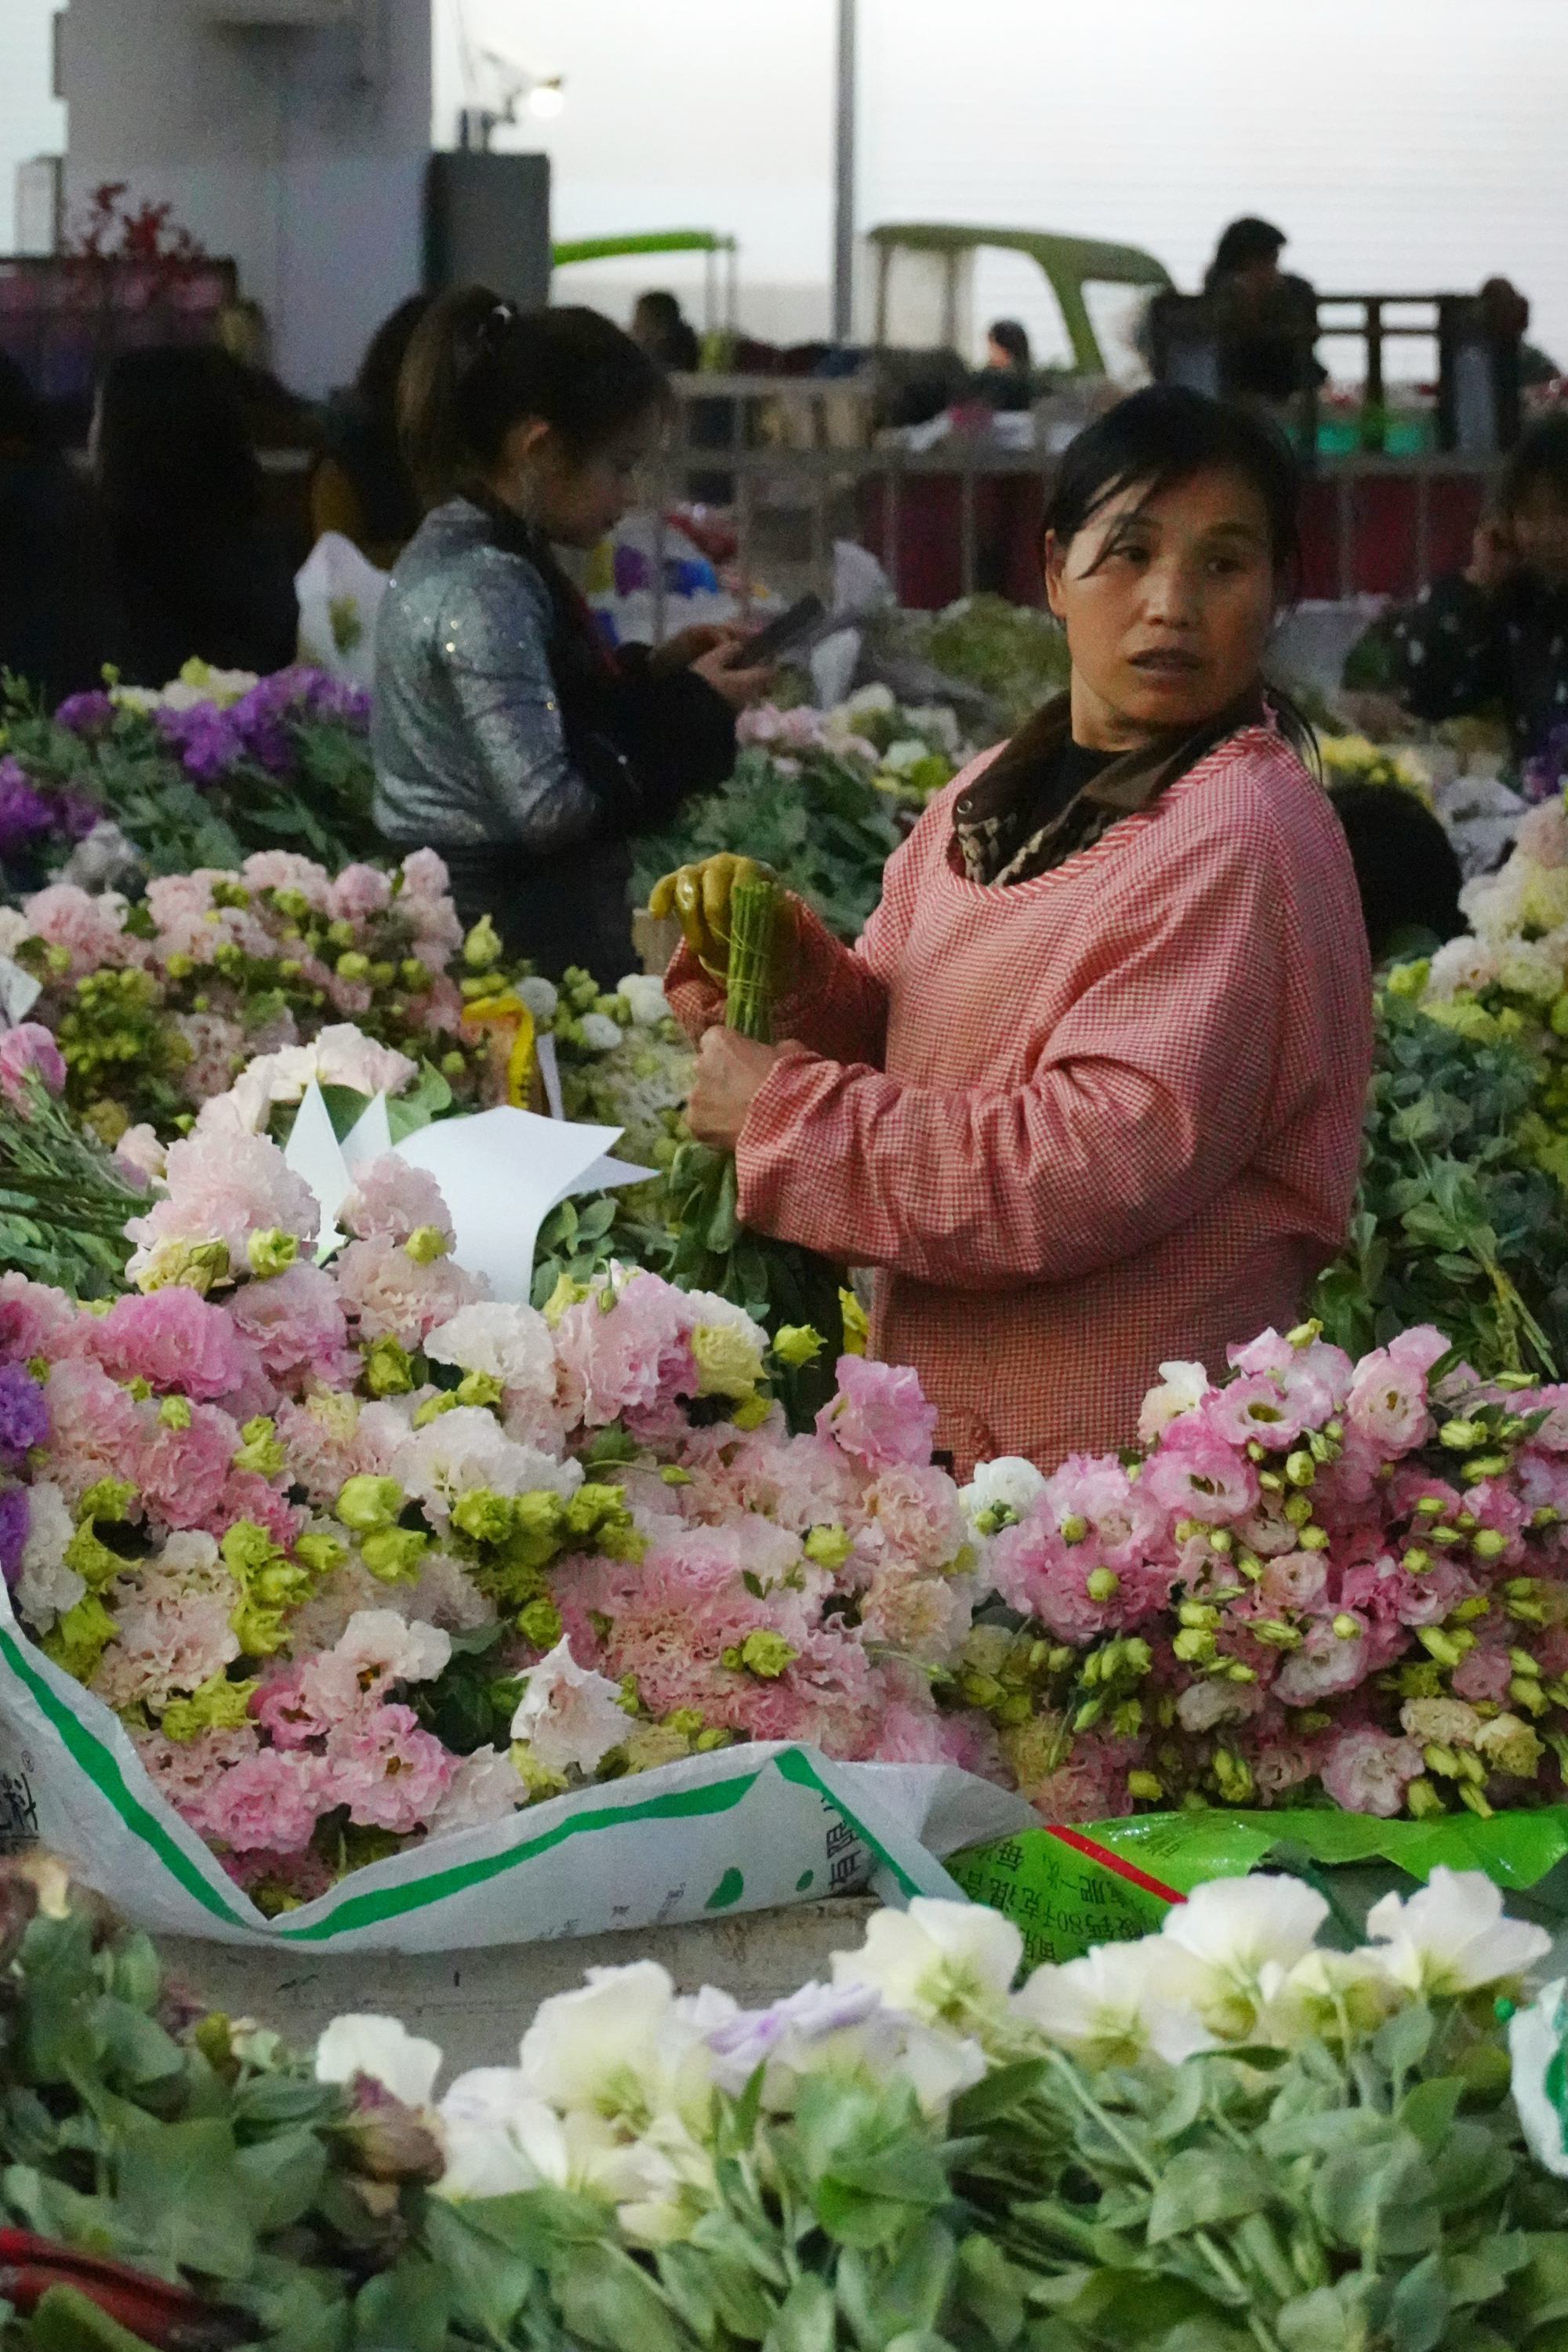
x=1202 y=2185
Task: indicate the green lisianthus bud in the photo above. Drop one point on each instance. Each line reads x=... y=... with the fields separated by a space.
x=540 y=1623
x=482 y=948
x=829 y=1546
x=352 y=966
x=388 y=1369
x=319 y=1553
x=261 y=1451
x=367 y=1502
x=1102 y=1584
x=216 y=1705
x=797 y=1343
x=426 y=1244
x=175 y=1412
x=107 y=1498
x=536 y=1777
x=393 y=1554
x=196 y=1264
x=752 y=1411
x=729 y=1359
x=445 y=1400
x=479 y=1389
x=414 y=976
x=1146 y=1785
x=270 y=1251
x=766 y=1655
x=484 y=1516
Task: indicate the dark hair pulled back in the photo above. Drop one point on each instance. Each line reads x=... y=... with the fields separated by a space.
x=475 y=367
x=1163 y=435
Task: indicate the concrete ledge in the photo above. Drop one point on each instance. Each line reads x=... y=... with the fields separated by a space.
x=477 y=2004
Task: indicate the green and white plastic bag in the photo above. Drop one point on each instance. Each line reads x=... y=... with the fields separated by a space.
x=745 y=1829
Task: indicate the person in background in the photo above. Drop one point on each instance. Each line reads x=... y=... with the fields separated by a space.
x=1004 y=381
x=1495 y=636
x=57 y=617
x=196 y=571
x=1268 y=320
x=275 y=418
x=660 y=328
x=505 y=733
x=1407 y=871
x=361 y=486
x=1087 y=1093
x=1507 y=312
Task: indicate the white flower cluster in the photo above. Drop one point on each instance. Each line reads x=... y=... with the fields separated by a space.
x=611 y=2093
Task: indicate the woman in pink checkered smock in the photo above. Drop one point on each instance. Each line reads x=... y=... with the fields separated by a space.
x=1088 y=1092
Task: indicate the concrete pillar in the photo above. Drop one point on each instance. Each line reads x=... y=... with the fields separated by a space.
x=291 y=134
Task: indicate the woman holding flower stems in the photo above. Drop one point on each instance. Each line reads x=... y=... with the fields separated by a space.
x=506 y=734
x=1089 y=1090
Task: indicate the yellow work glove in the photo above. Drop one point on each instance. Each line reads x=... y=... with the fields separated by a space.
x=698 y=896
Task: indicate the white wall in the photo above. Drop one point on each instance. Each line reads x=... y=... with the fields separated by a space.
x=298 y=152
x=31 y=121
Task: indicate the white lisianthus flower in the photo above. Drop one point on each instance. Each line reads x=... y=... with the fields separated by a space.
x=467 y=1448
x=1322 y=1990
x=1009 y=1486
x=484 y=1788
x=1247 y=1935
x=384 y=2049
x=500 y=2139
x=1536 y=2040
x=510 y=1343
x=1530 y=968
x=383 y=1643
x=1182 y=1387
x=599 y=1033
x=618 y=2047
x=945 y=1963
x=1467 y=964
x=644 y=991
x=568 y=1713
x=541 y=996
x=1116 y=2003
x=1452 y=1937
x=46 y=1588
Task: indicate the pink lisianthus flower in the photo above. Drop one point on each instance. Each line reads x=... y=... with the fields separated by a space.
x=91 y=928
x=391 y=1199
x=289 y=1713
x=1091 y=1786
x=358 y=893
x=635 y=1358
x=1037 y=1570
x=1485 y=1671
x=917 y=1517
x=184 y=1771
x=1551 y=1437
x=248 y=1495
x=1125 y=1516
x=295 y=1320
x=922 y=1617
x=1293 y=1582
x=426 y=881
x=36 y=1319
x=390 y=1773
x=879 y=1413
x=30 y=1050
x=1543 y=837
x=1368 y=1771
x=1327 y=1663
x=93 y=1427
x=172 y=1340
x=270 y=1798
x=1255 y=1406
x=224 y=1188
x=392 y=1294
x=345 y=1056
x=1318 y=1376
x=1194 y=1475
x=1388 y=1402
x=1388 y=1592
x=319 y=1437
x=182 y=1472
x=218 y=1050
x=286 y=869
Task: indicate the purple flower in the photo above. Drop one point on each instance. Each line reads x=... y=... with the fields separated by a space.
x=86 y=714
x=15 y=1514
x=24 y=812
x=207 y=738
x=23 y=1414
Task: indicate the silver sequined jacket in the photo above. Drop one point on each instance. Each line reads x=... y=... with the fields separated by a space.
x=466 y=729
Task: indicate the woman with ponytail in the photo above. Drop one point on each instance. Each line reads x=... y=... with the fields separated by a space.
x=506 y=734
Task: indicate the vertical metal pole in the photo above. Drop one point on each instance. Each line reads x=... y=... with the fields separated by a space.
x=843 y=181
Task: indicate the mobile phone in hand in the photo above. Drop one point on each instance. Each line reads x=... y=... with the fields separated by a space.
x=768 y=643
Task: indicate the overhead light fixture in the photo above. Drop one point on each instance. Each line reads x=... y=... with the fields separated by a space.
x=546 y=99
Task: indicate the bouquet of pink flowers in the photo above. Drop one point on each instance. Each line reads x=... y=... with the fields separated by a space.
x=359 y=1556
x=1322 y=1579
x=158 y=1007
